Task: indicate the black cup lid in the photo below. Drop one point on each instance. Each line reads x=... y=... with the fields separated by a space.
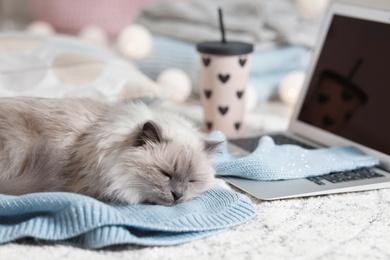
x=224 y=48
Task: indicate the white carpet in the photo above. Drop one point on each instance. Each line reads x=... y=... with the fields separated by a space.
x=344 y=226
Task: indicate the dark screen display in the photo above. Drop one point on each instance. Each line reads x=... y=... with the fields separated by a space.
x=349 y=93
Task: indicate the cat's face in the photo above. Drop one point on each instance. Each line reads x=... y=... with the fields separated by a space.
x=173 y=174
x=165 y=171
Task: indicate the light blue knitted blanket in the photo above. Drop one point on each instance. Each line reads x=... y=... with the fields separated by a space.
x=82 y=221
x=271 y=162
x=85 y=222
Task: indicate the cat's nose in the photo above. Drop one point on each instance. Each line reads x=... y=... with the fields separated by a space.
x=176 y=195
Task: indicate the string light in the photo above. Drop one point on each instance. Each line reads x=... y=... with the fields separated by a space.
x=291 y=86
x=135 y=41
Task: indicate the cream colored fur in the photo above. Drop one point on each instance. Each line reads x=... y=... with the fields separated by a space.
x=83 y=146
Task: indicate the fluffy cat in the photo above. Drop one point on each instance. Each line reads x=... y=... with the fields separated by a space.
x=125 y=153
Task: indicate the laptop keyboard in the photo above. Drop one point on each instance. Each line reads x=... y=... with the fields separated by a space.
x=337 y=177
x=250 y=144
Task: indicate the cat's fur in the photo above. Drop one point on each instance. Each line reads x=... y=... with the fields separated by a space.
x=125 y=152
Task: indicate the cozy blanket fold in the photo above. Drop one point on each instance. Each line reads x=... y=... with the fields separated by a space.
x=82 y=221
x=271 y=162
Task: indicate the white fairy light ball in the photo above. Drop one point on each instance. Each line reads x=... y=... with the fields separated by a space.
x=250 y=98
x=135 y=41
x=290 y=87
x=94 y=34
x=177 y=83
x=40 y=28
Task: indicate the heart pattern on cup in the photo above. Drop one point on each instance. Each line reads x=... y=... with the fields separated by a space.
x=240 y=93
x=223 y=110
x=208 y=93
x=226 y=85
x=223 y=78
x=242 y=61
x=206 y=61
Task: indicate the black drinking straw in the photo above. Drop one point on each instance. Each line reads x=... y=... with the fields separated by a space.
x=221 y=27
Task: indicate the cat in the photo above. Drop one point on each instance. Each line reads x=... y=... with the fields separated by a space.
x=123 y=153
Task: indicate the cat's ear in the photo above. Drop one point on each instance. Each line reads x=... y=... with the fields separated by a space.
x=211 y=146
x=150 y=132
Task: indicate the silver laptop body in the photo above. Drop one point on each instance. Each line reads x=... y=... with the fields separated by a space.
x=345 y=101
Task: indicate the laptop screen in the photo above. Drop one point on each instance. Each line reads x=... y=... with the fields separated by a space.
x=349 y=92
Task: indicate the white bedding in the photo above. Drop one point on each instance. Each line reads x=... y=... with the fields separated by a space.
x=63 y=66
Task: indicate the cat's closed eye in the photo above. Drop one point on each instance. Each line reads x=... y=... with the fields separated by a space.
x=166 y=174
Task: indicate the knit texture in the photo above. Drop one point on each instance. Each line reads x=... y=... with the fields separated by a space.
x=276 y=162
x=82 y=221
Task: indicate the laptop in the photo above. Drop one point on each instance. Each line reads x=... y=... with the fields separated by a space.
x=345 y=100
